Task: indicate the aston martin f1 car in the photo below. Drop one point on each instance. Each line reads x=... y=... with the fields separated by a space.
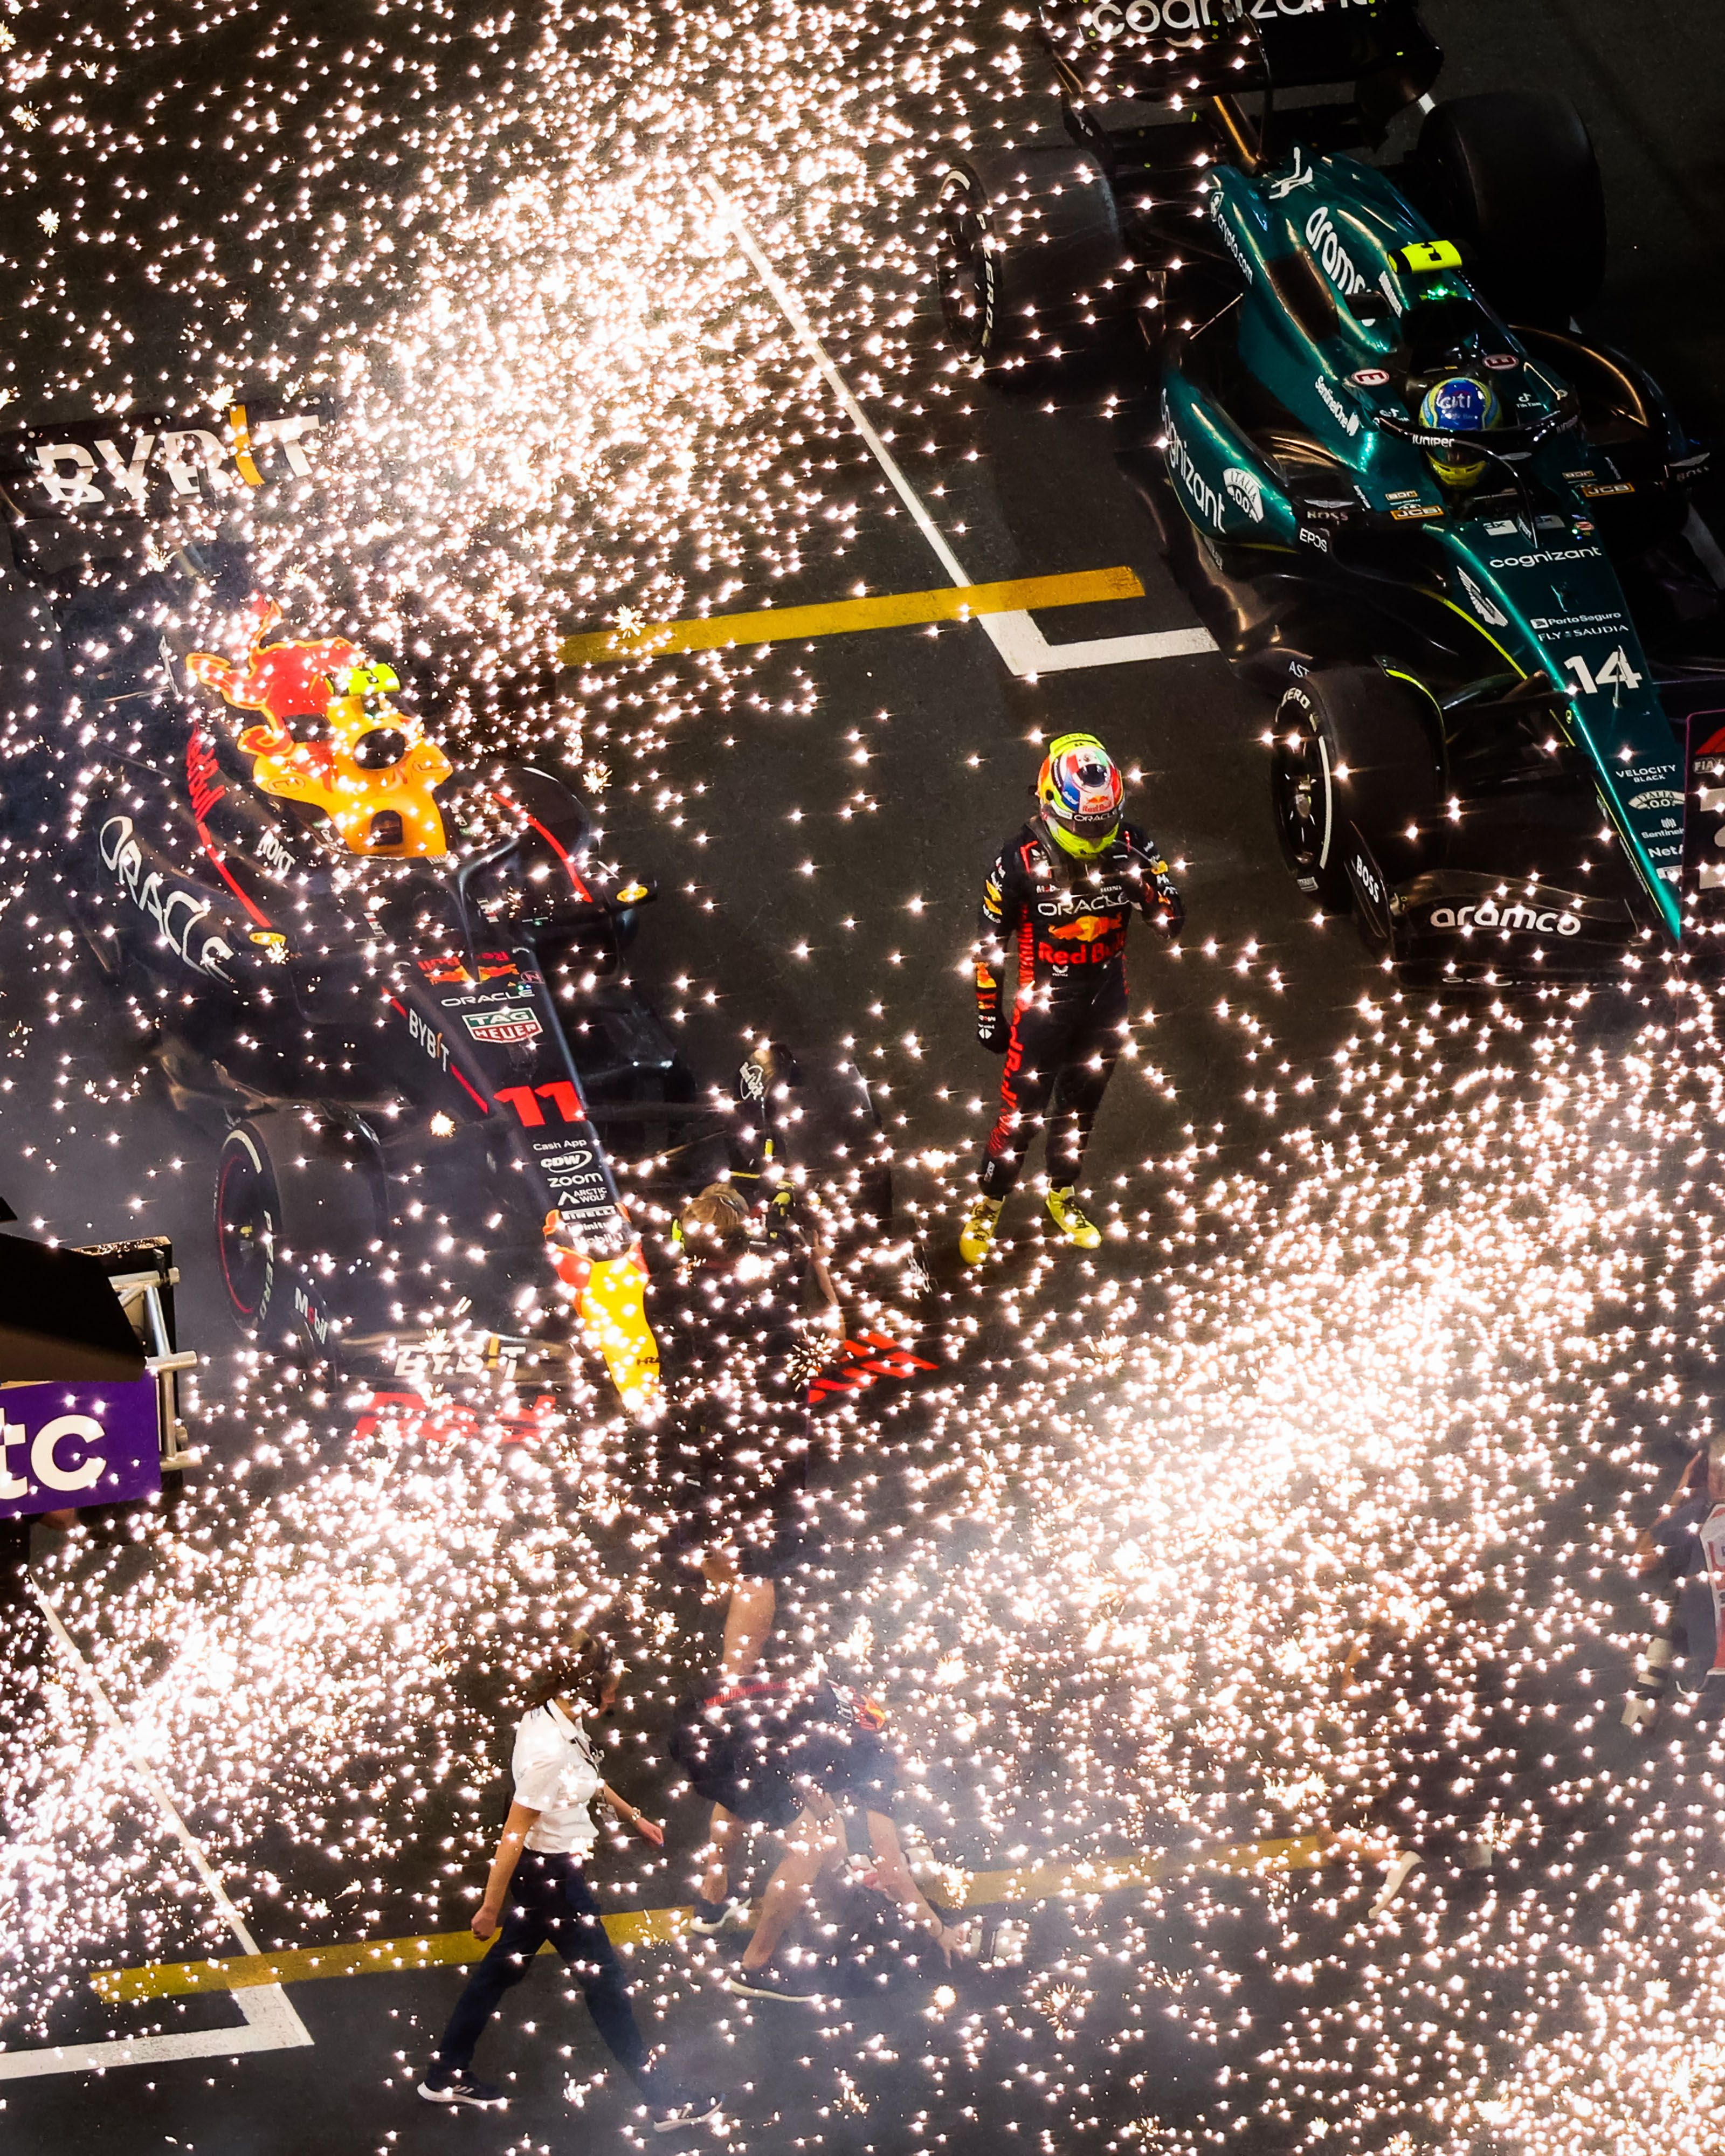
x=1456 y=539
x=402 y=985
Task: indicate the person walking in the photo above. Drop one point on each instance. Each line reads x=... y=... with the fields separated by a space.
x=1050 y=976
x=537 y=1891
x=794 y=1755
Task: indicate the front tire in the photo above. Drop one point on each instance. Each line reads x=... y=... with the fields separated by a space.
x=1031 y=265
x=1352 y=755
x=1513 y=175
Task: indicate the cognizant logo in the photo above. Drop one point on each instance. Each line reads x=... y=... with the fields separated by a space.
x=1205 y=498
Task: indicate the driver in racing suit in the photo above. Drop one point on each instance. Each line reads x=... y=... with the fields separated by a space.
x=1051 y=975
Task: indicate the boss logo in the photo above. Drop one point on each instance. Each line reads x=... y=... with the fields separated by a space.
x=1366 y=878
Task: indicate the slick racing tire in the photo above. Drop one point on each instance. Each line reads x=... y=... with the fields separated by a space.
x=1031 y=263
x=1511 y=175
x=299 y=1203
x=1352 y=753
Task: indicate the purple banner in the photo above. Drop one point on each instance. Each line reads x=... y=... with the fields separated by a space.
x=78 y=1445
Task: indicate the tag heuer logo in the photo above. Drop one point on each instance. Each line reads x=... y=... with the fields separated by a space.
x=501 y=1029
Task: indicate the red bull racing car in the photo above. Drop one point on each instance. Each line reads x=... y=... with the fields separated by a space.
x=402 y=984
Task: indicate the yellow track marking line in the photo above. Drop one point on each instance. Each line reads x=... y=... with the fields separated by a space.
x=844 y=617
x=657 y=1927
x=1023 y=648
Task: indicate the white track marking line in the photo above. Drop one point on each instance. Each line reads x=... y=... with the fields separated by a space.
x=1021 y=644
x=271 y=2024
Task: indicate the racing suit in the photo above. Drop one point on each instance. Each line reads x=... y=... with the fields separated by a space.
x=1051 y=988
x=736 y=1451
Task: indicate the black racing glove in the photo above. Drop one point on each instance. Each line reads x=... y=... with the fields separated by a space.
x=1167 y=910
x=1164 y=909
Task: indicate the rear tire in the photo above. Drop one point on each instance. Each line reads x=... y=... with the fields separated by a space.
x=1352 y=754
x=1513 y=175
x=1032 y=263
x=299 y=1204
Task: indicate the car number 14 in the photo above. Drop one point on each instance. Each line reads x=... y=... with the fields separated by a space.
x=1616 y=673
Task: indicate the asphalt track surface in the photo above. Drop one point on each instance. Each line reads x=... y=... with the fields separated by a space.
x=865 y=779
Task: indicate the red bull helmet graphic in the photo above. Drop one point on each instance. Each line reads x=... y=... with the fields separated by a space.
x=1082 y=795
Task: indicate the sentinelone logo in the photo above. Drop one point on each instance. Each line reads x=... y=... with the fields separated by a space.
x=1489 y=914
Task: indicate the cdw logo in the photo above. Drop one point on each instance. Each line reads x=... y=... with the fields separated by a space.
x=860 y=1363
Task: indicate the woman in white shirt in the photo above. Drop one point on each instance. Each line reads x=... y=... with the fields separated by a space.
x=538 y=1869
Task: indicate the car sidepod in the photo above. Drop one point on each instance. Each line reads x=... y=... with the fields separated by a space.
x=484 y=1024
x=1552 y=601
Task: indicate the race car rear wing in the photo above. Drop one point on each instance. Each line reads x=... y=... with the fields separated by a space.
x=113 y=471
x=1179 y=53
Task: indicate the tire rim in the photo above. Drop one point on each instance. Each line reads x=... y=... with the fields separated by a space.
x=963 y=269
x=1304 y=808
x=245 y=1229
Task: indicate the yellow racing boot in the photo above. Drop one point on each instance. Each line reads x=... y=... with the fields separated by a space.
x=978 y=1233
x=1063 y=1210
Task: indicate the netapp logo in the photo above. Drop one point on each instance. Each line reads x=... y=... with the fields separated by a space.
x=1489 y=914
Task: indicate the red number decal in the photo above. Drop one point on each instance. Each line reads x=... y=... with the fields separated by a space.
x=520 y=1099
x=563 y=1098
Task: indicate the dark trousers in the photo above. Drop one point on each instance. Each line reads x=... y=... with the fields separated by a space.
x=1059 y=1060
x=549 y=1898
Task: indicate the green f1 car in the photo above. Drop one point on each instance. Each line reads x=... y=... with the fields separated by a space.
x=1463 y=555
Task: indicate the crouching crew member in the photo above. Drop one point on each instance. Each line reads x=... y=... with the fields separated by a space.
x=794 y=1755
